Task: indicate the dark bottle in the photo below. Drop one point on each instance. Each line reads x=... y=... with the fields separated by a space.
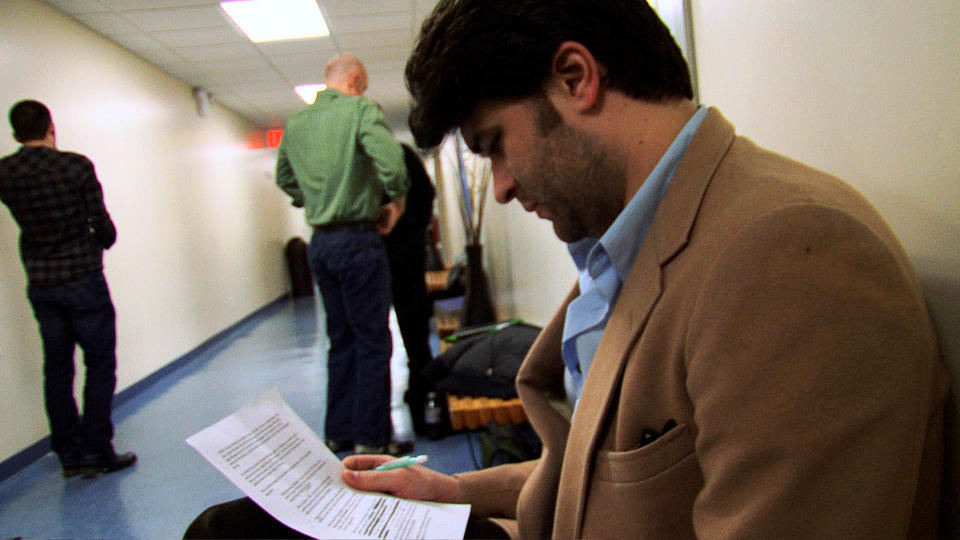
x=433 y=416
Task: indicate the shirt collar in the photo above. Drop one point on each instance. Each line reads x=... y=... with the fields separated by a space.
x=326 y=95
x=622 y=240
x=579 y=251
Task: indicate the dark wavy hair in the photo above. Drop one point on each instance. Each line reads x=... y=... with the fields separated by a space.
x=30 y=120
x=476 y=50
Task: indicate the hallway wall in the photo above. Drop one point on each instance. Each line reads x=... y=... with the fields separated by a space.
x=201 y=226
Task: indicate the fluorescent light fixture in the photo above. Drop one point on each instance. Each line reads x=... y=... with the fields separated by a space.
x=308 y=92
x=274 y=20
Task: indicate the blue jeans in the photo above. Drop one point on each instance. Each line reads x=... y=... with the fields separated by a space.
x=70 y=314
x=354 y=280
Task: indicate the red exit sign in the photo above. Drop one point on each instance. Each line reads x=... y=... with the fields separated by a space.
x=274 y=136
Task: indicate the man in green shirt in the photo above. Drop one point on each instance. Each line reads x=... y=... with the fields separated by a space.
x=339 y=161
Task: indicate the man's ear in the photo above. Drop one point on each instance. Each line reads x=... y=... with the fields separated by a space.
x=575 y=75
x=354 y=83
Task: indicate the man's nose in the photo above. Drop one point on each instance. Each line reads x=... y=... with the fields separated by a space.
x=504 y=185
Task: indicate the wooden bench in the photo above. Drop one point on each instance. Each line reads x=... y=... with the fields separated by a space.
x=436 y=280
x=447 y=323
x=467 y=412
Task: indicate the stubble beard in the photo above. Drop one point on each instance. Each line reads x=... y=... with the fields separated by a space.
x=587 y=182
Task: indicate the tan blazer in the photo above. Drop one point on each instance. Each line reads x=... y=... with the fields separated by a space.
x=772 y=315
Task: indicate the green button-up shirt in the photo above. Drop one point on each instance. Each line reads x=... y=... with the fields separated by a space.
x=338 y=158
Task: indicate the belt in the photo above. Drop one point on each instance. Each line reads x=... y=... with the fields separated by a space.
x=346 y=226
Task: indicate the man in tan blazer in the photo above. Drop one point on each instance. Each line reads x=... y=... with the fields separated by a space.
x=767 y=368
x=747 y=353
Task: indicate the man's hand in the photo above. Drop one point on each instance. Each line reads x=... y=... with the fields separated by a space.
x=416 y=482
x=389 y=215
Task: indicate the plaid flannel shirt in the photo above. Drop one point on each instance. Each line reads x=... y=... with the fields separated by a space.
x=57 y=201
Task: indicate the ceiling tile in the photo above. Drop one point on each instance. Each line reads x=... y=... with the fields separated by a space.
x=200 y=36
x=235 y=75
x=226 y=51
x=381 y=54
x=194 y=41
x=109 y=24
x=76 y=7
x=286 y=99
x=388 y=38
x=302 y=72
x=127 y=5
x=371 y=23
x=364 y=7
x=161 y=57
x=153 y=20
x=260 y=87
x=311 y=60
x=297 y=46
x=378 y=68
x=239 y=64
x=231 y=101
x=301 y=68
x=138 y=42
x=187 y=73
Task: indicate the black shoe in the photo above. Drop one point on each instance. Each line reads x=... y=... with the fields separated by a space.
x=72 y=465
x=72 y=469
x=336 y=446
x=369 y=449
x=102 y=465
x=399 y=448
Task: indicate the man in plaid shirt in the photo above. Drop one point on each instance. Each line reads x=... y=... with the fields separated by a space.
x=56 y=199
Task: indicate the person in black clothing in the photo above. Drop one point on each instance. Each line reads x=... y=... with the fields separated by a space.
x=57 y=201
x=407 y=255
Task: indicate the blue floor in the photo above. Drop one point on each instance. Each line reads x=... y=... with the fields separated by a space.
x=282 y=346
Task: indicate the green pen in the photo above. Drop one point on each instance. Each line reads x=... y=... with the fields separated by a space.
x=481 y=329
x=399 y=463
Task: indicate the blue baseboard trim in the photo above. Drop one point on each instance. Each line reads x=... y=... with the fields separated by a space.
x=37 y=450
x=215 y=342
x=24 y=458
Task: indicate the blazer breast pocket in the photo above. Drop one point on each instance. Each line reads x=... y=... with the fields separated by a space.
x=642 y=492
x=647 y=461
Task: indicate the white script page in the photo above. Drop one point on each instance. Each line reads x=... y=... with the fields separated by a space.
x=268 y=452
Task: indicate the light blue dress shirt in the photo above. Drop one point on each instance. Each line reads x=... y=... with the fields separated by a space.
x=603 y=264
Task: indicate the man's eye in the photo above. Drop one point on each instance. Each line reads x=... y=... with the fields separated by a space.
x=493 y=147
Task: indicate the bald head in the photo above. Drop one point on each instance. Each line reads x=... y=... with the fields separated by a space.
x=345 y=73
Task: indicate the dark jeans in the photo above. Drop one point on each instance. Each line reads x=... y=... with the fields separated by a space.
x=239 y=518
x=70 y=314
x=408 y=256
x=243 y=518
x=354 y=281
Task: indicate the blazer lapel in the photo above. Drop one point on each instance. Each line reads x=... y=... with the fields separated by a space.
x=539 y=381
x=668 y=235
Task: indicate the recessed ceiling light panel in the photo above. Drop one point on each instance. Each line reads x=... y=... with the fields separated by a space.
x=308 y=92
x=275 y=20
